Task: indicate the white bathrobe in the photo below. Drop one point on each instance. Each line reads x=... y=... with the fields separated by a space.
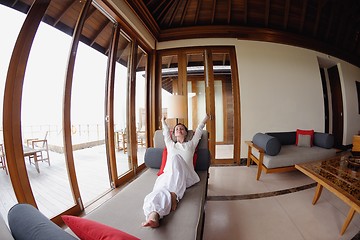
x=178 y=175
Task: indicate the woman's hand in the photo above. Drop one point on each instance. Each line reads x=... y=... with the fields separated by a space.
x=206 y=118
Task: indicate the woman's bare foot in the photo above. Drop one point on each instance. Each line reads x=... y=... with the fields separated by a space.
x=173 y=201
x=152 y=221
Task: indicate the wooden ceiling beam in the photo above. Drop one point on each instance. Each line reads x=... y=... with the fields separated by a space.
x=15 y=2
x=213 y=12
x=176 y=8
x=165 y=10
x=331 y=19
x=142 y=11
x=303 y=15
x=267 y=13
x=90 y=13
x=100 y=30
x=198 y=6
x=320 y=6
x=63 y=12
x=340 y=30
x=286 y=14
x=229 y=12
x=184 y=12
x=258 y=34
x=158 y=7
x=245 y=11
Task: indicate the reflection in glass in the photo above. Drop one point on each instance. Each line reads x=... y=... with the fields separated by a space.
x=196 y=89
x=140 y=104
x=224 y=105
x=123 y=163
x=169 y=79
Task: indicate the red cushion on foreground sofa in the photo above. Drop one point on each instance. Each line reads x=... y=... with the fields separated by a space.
x=164 y=157
x=87 y=229
x=305 y=132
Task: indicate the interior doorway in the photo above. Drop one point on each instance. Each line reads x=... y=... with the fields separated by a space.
x=333 y=103
x=209 y=80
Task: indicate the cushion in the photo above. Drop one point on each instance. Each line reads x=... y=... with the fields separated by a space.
x=203 y=160
x=87 y=229
x=153 y=157
x=285 y=138
x=305 y=132
x=28 y=223
x=159 y=139
x=164 y=158
x=163 y=162
x=324 y=140
x=304 y=140
x=270 y=144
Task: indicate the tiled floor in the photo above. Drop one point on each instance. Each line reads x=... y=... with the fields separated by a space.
x=284 y=216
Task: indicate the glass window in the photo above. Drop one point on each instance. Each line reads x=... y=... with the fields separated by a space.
x=88 y=115
x=123 y=163
x=224 y=105
x=11 y=23
x=169 y=78
x=41 y=117
x=196 y=89
x=140 y=104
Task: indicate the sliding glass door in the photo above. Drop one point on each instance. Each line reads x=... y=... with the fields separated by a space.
x=211 y=86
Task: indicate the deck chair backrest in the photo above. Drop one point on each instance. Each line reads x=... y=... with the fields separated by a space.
x=159 y=139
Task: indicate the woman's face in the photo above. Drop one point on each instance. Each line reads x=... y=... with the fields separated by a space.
x=180 y=131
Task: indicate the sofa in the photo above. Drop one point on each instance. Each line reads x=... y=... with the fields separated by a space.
x=123 y=212
x=280 y=151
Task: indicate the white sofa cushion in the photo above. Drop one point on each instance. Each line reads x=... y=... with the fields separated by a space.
x=290 y=155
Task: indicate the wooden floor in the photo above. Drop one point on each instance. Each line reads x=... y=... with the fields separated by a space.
x=51 y=186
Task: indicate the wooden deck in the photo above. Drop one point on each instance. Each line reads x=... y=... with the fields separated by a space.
x=51 y=186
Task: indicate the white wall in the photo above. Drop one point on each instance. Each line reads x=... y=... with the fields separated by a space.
x=349 y=74
x=280 y=87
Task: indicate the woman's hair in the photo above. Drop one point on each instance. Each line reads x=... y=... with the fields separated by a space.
x=183 y=126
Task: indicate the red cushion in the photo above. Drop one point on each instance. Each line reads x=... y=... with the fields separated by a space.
x=164 y=157
x=163 y=162
x=87 y=229
x=305 y=132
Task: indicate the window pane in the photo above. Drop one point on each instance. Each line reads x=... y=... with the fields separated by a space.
x=140 y=104
x=123 y=163
x=42 y=120
x=224 y=105
x=88 y=113
x=196 y=89
x=11 y=23
x=169 y=80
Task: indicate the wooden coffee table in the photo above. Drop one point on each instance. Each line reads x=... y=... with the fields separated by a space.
x=335 y=175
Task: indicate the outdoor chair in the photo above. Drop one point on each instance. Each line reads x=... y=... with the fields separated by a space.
x=42 y=146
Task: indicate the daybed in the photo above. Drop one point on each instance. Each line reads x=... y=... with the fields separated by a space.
x=124 y=210
x=280 y=151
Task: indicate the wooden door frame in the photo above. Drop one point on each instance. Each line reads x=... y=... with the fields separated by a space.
x=210 y=92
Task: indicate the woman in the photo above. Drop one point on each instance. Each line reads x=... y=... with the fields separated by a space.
x=178 y=174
